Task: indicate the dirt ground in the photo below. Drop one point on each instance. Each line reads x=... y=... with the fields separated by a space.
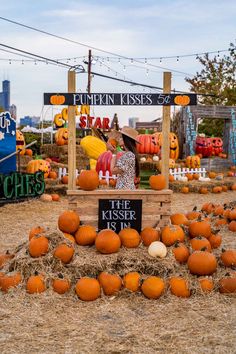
x=127 y=323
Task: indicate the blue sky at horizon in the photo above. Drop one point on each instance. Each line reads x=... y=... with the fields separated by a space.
x=141 y=28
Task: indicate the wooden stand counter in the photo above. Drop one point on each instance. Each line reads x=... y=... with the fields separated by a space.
x=156 y=205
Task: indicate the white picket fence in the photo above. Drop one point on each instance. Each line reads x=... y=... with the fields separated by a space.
x=63 y=172
x=181 y=172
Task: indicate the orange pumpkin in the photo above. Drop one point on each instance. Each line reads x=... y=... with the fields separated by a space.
x=206 y=284
x=88 y=180
x=64 y=252
x=35 y=284
x=153 y=287
x=28 y=152
x=149 y=235
x=88 y=289
x=107 y=241
x=182 y=100
x=10 y=280
x=180 y=252
x=5 y=257
x=232 y=225
x=69 y=221
x=148 y=144
x=202 y=263
x=36 y=231
x=132 y=281
x=110 y=283
x=179 y=287
x=199 y=242
x=61 y=136
x=39 y=165
x=203 y=190
x=64 y=179
x=227 y=285
x=129 y=237
x=57 y=99
x=200 y=228
x=171 y=234
x=157 y=182
x=179 y=219
x=55 y=197
x=215 y=240
x=184 y=190
x=228 y=257
x=52 y=174
x=60 y=285
x=69 y=237
x=86 y=235
x=38 y=246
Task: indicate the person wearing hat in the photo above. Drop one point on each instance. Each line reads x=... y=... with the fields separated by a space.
x=127 y=167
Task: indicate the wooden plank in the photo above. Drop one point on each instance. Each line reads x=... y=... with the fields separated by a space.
x=117 y=192
x=71 y=135
x=166 y=130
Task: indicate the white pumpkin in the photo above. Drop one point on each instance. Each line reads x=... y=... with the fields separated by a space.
x=155 y=158
x=157 y=249
x=182 y=178
x=143 y=159
x=46 y=197
x=204 y=179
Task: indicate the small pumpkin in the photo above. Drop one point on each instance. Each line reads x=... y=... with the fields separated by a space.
x=52 y=175
x=88 y=289
x=199 y=242
x=179 y=219
x=181 y=252
x=36 y=231
x=184 y=190
x=202 y=263
x=131 y=281
x=215 y=240
x=10 y=280
x=110 y=283
x=64 y=179
x=129 y=237
x=171 y=234
x=179 y=287
x=88 y=180
x=86 y=235
x=153 y=287
x=38 y=246
x=157 y=249
x=35 y=284
x=55 y=197
x=46 y=198
x=200 y=228
x=64 y=252
x=107 y=241
x=206 y=284
x=5 y=257
x=227 y=285
x=57 y=99
x=203 y=190
x=149 y=235
x=69 y=221
x=29 y=152
x=232 y=225
x=69 y=237
x=228 y=257
x=157 y=182
x=61 y=285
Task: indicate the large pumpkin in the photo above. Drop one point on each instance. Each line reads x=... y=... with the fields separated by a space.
x=104 y=161
x=148 y=144
x=174 y=144
x=39 y=165
x=193 y=161
x=93 y=146
x=20 y=142
x=61 y=137
x=203 y=146
x=88 y=180
x=217 y=146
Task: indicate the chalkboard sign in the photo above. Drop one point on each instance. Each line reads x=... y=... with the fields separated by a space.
x=117 y=214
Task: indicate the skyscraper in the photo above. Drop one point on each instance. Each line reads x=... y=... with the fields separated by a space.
x=5 y=95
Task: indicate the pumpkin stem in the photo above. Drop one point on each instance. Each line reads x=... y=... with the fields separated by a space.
x=203 y=249
x=195 y=208
x=215 y=232
x=60 y=276
x=36 y=273
x=223 y=250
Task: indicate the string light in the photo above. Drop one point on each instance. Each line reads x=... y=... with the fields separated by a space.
x=160 y=60
x=132 y=60
x=22 y=62
x=145 y=61
x=9 y=61
x=177 y=59
x=147 y=72
x=124 y=68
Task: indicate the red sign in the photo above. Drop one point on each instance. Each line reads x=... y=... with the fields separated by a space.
x=95 y=122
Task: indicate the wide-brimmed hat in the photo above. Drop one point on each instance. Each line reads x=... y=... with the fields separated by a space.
x=131 y=133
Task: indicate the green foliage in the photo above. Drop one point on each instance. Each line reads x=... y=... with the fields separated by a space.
x=29 y=138
x=217 y=82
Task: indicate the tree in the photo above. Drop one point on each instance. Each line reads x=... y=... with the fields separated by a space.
x=217 y=84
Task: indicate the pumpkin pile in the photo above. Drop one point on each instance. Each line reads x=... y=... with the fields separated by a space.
x=183 y=258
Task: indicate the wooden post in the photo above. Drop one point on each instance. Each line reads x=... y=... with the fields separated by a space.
x=71 y=134
x=165 y=150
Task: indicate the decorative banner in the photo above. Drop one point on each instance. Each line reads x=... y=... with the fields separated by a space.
x=117 y=214
x=232 y=137
x=21 y=185
x=7 y=142
x=190 y=132
x=120 y=99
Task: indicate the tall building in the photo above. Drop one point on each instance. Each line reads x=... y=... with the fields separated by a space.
x=5 y=95
x=133 y=121
x=30 y=121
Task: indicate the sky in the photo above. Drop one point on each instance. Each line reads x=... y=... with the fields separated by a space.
x=132 y=29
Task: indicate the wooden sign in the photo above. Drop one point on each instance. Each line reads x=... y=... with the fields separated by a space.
x=117 y=214
x=120 y=99
x=21 y=185
x=7 y=142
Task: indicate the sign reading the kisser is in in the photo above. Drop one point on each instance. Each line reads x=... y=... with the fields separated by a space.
x=7 y=142
x=117 y=214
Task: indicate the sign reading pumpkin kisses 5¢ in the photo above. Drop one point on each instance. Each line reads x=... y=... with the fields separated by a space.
x=120 y=99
